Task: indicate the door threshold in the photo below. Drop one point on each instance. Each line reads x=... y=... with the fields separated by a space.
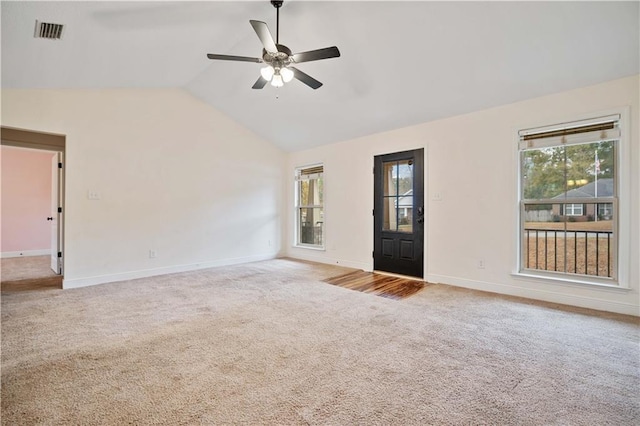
x=406 y=277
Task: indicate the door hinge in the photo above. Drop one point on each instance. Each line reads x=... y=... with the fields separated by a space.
x=59 y=165
x=373 y=212
x=373 y=254
x=59 y=209
x=59 y=254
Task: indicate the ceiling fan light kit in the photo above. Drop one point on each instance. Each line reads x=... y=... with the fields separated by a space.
x=279 y=58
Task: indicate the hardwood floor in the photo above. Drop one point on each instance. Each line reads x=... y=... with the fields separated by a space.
x=378 y=284
x=28 y=273
x=33 y=284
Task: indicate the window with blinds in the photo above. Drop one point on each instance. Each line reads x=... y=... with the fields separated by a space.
x=310 y=206
x=569 y=199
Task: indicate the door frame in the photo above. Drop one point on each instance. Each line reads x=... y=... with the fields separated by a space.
x=22 y=138
x=422 y=273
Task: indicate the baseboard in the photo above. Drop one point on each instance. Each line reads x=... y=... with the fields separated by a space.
x=132 y=275
x=329 y=261
x=538 y=294
x=25 y=253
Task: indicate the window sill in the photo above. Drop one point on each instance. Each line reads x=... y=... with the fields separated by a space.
x=569 y=281
x=316 y=248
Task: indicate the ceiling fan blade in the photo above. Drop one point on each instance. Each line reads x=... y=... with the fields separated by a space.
x=233 y=58
x=264 y=35
x=305 y=78
x=316 y=55
x=260 y=83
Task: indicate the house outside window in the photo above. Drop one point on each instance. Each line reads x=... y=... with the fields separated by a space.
x=569 y=199
x=309 y=207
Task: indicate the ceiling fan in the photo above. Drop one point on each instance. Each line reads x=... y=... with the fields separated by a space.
x=279 y=58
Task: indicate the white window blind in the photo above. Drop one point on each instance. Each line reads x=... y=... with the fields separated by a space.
x=313 y=172
x=577 y=132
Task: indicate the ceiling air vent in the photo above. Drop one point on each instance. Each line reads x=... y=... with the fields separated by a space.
x=48 y=30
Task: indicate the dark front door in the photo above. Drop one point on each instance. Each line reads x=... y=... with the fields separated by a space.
x=399 y=213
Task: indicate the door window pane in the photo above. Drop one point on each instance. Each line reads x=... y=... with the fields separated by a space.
x=389 y=184
x=405 y=176
x=398 y=196
x=405 y=219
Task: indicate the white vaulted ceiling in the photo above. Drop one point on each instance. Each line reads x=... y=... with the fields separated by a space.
x=402 y=63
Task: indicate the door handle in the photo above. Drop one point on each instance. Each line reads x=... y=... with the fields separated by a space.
x=49 y=218
x=420 y=220
x=420 y=211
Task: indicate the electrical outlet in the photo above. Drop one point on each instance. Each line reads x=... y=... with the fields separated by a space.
x=481 y=264
x=93 y=195
x=152 y=254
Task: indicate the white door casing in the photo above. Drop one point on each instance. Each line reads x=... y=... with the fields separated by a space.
x=56 y=214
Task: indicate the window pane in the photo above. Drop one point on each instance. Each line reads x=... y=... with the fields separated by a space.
x=593 y=242
x=303 y=196
x=574 y=244
x=590 y=170
x=543 y=173
x=311 y=222
x=311 y=192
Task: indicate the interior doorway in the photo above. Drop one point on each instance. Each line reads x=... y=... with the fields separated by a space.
x=399 y=213
x=32 y=255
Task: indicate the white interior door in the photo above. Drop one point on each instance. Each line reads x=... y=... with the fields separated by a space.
x=55 y=216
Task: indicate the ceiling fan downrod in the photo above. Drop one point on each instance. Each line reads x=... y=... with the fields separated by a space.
x=277 y=4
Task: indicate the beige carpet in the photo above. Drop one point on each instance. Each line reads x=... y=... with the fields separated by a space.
x=269 y=343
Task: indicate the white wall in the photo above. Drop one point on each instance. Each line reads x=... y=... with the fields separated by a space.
x=471 y=160
x=173 y=174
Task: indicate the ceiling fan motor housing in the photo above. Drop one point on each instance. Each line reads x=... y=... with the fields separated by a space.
x=280 y=57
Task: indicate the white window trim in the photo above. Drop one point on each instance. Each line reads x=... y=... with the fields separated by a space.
x=623 y=183
x=296 y=208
